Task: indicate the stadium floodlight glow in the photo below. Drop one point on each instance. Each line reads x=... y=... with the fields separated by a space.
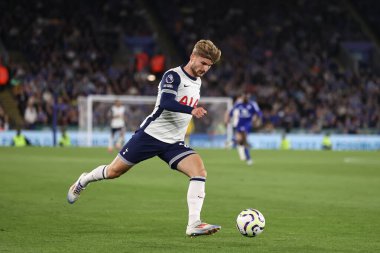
x=151 y=78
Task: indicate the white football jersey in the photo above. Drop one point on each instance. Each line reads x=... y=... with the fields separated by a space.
x=117 y=113
x=167 y=126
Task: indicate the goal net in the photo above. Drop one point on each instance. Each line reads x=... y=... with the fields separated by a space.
x=94 y=121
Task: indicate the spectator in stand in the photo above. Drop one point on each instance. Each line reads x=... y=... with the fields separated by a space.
x=4 y=120
x=30 y=115
x=157 y=65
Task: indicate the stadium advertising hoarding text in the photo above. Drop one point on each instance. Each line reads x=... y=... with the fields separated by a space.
x=257 y=141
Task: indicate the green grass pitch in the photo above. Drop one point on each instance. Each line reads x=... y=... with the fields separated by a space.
x=313 y=201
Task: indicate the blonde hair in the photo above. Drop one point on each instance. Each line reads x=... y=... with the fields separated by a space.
x=207 y=49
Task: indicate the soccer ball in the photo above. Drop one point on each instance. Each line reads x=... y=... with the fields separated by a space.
x=250 y=222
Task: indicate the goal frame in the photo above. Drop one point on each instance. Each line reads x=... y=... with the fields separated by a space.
x=91 y=99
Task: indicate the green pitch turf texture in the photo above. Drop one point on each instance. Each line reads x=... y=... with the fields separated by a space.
x=313 y=201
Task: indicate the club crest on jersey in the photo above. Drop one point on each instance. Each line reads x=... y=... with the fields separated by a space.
x=169 y=78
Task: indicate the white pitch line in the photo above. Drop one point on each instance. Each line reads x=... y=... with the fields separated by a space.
x=357 y=160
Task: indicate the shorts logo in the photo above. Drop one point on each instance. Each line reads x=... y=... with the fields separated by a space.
x=169 y=78
x=126 y=150
x=183 y=144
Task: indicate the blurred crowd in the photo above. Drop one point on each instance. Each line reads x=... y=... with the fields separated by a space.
x=68 y=48
x=284 y=53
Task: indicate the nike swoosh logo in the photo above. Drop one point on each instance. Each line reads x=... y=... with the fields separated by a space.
x=187 y=85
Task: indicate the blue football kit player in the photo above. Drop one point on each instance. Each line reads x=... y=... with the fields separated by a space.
x=242 y=116
x=162 y=134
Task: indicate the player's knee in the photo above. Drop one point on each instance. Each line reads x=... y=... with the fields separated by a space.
x=197 y=172
x=204 y=173
x=201 y=172
x=192 y=166
x=241 y=142
x=117 y=168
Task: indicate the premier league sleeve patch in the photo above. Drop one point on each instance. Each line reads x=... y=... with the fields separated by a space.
x=170 y=81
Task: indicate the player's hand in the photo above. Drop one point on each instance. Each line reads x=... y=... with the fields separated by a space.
x=198 y=112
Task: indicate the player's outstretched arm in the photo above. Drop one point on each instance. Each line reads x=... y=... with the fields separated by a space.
x=169 y=103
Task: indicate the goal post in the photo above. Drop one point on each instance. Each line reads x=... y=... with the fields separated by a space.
x=93 y=117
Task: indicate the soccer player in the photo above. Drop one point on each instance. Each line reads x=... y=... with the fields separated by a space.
x=232 y=117
x=243 y=115
x=162 y=134
x=117 y=113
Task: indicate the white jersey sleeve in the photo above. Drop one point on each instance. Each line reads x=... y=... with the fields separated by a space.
x=168 y=126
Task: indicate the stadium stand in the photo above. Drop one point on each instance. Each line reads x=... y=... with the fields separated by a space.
x=286 y=53
x=297 y=58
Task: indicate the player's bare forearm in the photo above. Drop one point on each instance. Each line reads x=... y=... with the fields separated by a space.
x=198 y=112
